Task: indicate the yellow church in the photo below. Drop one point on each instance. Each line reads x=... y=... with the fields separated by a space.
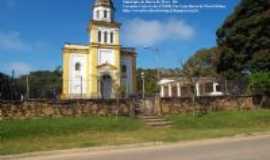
x=101 y=68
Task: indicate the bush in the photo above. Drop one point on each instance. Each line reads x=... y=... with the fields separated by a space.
x=259 y=83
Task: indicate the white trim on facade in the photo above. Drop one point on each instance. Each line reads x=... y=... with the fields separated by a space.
x=77 y=83
x=128 y=80
x=75 y=46
x=109 y=31
x=170 y=82
x=106 y=56
x=101 y=16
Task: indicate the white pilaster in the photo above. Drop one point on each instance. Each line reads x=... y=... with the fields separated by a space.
x=162 y=91
x=215 y=87
x=179 y=90
x=170 y=90
x=198 y=89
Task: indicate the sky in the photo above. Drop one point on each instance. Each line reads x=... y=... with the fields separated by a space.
x=33 y=32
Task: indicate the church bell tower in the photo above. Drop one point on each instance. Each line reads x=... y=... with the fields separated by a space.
x=104 y=48
x=103 y=11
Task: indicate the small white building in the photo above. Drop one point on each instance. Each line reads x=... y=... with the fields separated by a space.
x=180 y=87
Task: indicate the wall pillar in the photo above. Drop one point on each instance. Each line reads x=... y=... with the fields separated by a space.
x=215 y=87
x=170 y=90
x=179 y=94
x=198 y=89
x=161 y=91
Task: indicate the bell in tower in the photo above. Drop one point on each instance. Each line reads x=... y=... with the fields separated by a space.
x=103 y=10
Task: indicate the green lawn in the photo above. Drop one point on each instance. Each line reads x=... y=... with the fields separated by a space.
x=20 y=136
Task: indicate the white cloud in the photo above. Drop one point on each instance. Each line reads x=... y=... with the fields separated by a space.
x=20 y=68
x=13 y=41
x=139 y=32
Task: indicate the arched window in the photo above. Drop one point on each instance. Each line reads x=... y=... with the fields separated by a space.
x=112 y=37
x=124 y=71
x=99 y=36
x=105 y=14
x=105 y=37
x=78 y=66
x=124 y=68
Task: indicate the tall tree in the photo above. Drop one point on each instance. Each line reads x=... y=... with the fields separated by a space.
x=151 y=79
x=207 y=60
x=42 y=84
x=245 y=39
x=4 y=86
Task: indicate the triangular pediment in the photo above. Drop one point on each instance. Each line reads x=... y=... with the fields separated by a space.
x=105 y=66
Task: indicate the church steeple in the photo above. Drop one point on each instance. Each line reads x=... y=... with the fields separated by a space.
x=105 y=3
x=103 y=10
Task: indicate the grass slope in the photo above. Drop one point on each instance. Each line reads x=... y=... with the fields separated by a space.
x=20 y=136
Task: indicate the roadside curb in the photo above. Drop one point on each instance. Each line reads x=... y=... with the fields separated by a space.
x=80 y=150
x=138 y=146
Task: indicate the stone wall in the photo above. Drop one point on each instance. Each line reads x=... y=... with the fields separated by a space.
x=125 y=107
x=32 y=109
x=223 y=103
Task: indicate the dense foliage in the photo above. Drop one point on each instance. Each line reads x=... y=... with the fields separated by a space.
x=244 y=39
x=259 y=83
x=41 y=84
x=204 y=62
x=151 y=79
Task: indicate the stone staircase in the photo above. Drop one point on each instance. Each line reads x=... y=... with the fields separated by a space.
x=155 y=121
x=145 y=110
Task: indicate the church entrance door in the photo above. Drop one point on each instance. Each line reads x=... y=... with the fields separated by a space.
x=106 y=87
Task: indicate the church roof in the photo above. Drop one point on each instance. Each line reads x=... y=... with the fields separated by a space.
x=106 y=3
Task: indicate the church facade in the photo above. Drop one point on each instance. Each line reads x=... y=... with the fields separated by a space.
x=102 y=68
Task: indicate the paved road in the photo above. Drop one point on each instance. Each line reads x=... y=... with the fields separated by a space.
x=242 y=148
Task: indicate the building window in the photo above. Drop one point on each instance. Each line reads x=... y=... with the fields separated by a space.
x=77 y=66
x=105 y=14
x=105 y=37
x=124 y=69
x=99 y=36
x=112 y=37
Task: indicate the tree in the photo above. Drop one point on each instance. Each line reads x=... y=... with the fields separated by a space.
x=4 y=86
x=244 y=39
x=207 y=59
x=259 y=84
x=43 y=84
x=151 y=79
x=9 y=88
x=191 y=72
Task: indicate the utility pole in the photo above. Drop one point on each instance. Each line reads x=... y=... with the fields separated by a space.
x=143 y=85
x=156 y=52
x=13 y=89
x=27 y=88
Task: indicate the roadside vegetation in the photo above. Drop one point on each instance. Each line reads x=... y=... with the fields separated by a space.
x=21 y=136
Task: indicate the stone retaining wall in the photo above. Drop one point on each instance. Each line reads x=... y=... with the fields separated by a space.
x=126 y=107
x=32 y=109
x=223 y=103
